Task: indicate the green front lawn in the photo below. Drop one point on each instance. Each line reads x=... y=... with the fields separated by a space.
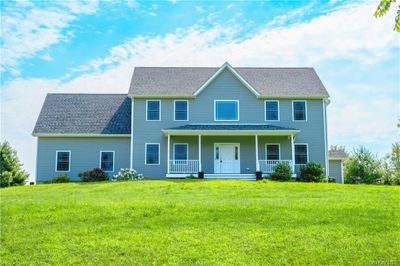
x=200 y=222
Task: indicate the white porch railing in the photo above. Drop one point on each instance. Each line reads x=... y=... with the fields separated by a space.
x=267 y=166
x=183 y=166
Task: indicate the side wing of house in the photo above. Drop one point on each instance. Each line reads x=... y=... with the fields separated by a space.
x=79 y=132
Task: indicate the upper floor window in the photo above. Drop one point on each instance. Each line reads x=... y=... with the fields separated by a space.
x=272 y=110
x=301 y=153
x=152 y=153
x=181 y=110
x=272 y=152
x=63 y=159
x=153 y=108
x=107 y=161
x=299 y=110
x=226 y=110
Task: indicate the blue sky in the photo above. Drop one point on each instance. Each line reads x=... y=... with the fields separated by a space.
x=90 y=46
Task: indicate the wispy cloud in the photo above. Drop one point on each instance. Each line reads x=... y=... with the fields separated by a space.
x=28 y=29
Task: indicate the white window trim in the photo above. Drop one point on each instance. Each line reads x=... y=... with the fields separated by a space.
x=159 y=117
x=113 y=152
x=215 y=110
x=306 y=112
x=308 y=152
x=145 y=153
x=69 y=161
x=265 y=111
x=187 y=149
x=266 y=150
x=187 y=109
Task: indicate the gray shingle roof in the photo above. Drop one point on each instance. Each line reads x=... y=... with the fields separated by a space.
x=337 y=154
x=85 y=114
x=184 y=81
x=230 y=127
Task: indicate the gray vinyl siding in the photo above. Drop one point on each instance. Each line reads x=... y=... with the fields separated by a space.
x=335 y=170
x=85 y=155
x=201 y=110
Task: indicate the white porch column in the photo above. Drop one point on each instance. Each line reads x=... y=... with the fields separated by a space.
x=292 y=143
x=168 y=156
x=200 y=166
x=257 y=162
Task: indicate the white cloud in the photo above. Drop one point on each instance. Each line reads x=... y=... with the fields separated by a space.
x=27 y=29
x=345 y=34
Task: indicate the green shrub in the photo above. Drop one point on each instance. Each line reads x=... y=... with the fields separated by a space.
x=93 y=175
x=312 y=172
x=282 y=172
x=191 y=177
x=61 y=179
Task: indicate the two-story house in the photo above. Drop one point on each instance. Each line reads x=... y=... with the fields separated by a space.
x=176 y=121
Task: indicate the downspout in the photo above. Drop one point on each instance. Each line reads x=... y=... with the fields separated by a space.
x=325 y=101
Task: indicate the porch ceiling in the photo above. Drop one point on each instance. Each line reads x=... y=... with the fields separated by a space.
x=230 y=130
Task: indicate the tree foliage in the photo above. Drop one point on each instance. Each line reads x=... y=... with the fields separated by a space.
x=391 y=166
x=11 y=173
x=362 y=167
x=384 y=7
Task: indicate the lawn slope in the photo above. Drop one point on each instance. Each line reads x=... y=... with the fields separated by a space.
x=200 y=222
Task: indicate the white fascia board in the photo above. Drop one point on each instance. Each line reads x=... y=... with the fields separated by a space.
x=226 y=65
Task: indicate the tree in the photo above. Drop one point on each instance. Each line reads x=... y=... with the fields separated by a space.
x=362 y=167
x=384 y=7
x=391 y=166
x=11 y=173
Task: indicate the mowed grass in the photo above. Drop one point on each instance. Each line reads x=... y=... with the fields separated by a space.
x=200 y=222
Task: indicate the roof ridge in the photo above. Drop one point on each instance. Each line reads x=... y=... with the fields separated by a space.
x=84 y=93
x=308 y=67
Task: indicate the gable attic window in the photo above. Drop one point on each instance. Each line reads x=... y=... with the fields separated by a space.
x=226 y=110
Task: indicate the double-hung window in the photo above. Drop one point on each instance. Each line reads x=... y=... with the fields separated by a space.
x=181 y=153
x=271 y=110
x=181 y=110
x=299 y=111
x=152 y=153
x=63 y=161
x=272 y=152
x=153 y=110
x=107 y=161
x=301 y=153
x=226 y=110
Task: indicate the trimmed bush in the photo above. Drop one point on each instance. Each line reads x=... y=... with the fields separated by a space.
x=127 y=175
x=282 y=172
x=312 y=172
x=93 y=175
x=61 y=179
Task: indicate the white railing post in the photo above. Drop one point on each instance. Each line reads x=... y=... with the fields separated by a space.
x=168 y=156
x=292 y=143
x=257 y=162
x=200 y=166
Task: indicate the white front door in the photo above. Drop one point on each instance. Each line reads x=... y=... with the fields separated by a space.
x=226 y=158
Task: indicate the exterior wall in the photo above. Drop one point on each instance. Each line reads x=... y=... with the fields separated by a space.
x=85 y=155
x=201 y=110
x=335 y=170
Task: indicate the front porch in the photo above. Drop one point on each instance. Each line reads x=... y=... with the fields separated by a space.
x=230 y=154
